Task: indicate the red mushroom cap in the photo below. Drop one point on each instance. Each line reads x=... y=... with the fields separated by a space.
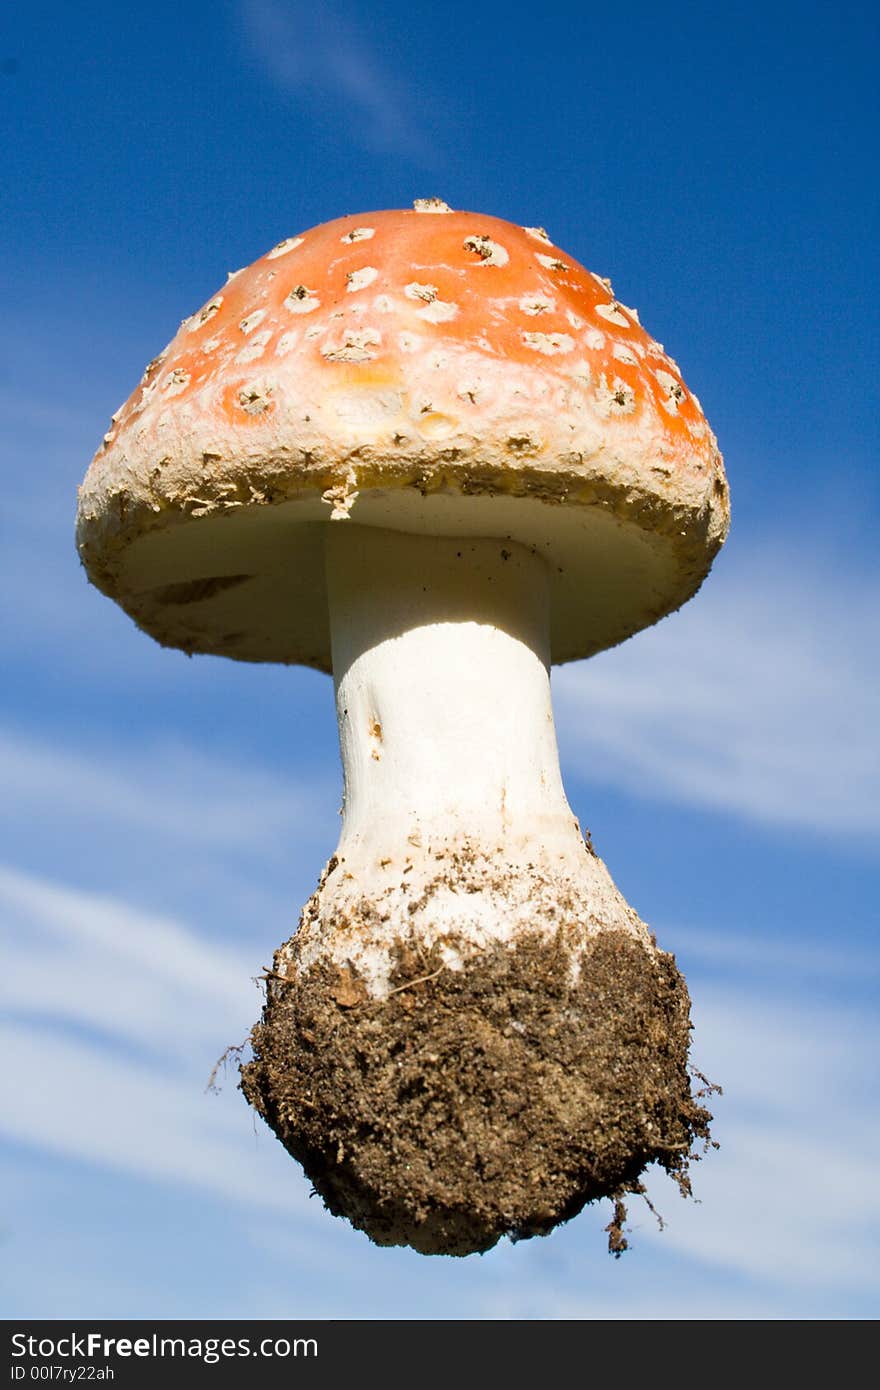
x=426 y=370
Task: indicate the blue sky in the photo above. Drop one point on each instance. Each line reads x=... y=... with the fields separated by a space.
x=164 y=818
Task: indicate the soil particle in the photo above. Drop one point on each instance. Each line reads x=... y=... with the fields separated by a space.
x=493 y=1100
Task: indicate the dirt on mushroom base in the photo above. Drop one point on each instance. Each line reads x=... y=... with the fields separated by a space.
x=498 y=1099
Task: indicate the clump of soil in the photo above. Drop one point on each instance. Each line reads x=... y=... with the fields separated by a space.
x=497 y=1099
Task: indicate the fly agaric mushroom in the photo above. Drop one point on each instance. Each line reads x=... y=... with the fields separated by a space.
x=429 y=451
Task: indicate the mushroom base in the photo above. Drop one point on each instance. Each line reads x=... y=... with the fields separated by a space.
x=495 y=1099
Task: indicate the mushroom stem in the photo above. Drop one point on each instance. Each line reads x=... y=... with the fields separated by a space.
x=456 y=831
x=471 y=1034
x=441 y=652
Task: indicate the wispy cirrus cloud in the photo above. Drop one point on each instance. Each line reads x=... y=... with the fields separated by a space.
x=791 y=1196
x=92 y=960
x=323 y=56
x=758 y=699
x=173 y=791
x=113 y=1020
x=160 y=822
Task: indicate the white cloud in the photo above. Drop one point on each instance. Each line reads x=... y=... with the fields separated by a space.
x=796 y=959
x=791 y=1196
x=114 y=1020
x=320 y=55
x=163 y=788
x=74 y=957
x=759 y=698
x=88 y=1104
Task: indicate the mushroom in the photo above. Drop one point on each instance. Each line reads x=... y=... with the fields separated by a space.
x=428 y=451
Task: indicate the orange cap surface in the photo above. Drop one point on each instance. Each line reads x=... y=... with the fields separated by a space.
x=344 y=296
x=450 y=353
